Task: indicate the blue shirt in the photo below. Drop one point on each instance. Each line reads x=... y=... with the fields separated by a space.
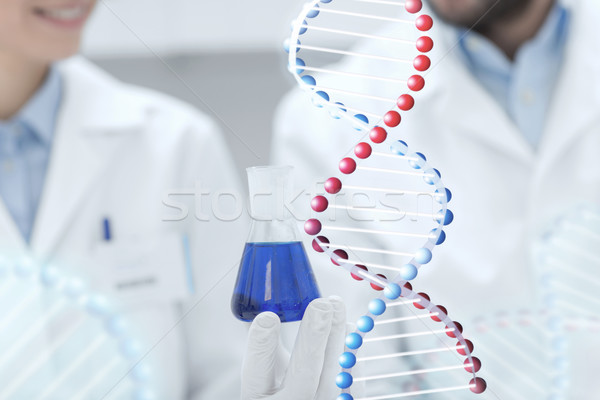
x=524 y=86
x=25 y=144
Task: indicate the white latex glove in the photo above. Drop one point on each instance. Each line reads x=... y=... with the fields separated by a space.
x=313 y=365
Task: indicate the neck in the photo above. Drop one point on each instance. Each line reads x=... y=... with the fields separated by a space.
x=19 y=80
x=510 y=33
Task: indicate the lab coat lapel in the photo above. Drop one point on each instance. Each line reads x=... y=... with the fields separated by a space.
x=576 y=102
x=73 y=167
x=469 y=109
x=93 y=123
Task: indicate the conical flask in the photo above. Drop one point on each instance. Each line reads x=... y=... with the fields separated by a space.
x=275 y=274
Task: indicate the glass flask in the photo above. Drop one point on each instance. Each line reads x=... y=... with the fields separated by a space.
x=275 y=274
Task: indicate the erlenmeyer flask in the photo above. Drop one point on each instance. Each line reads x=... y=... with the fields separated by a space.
x=275 y=274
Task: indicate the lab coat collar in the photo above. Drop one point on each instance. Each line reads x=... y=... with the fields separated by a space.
x=575 y=104
x=454 y=90
x=96 y=117
x=105 y=107
x=574 y=110
x=40 y=111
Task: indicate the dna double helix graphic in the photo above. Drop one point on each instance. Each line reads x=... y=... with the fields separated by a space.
x=568 y=262
x=62 y=341
x=383 y=214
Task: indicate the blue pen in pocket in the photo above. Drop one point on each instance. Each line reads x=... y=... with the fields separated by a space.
x=106 y=230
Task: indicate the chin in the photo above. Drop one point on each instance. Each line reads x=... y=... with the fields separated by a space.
x=458 y=12
x=480 y=13
x=64 y=53
x=55 y=51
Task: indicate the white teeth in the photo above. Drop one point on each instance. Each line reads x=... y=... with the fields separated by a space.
x=66 y=14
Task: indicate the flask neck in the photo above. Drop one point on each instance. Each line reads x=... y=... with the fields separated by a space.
x=273 y=232
x=269 y=187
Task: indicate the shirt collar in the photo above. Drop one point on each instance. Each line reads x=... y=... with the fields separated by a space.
x=40 y=112
x=480 y=52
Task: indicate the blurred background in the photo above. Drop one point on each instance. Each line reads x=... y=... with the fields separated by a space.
x=224 y=57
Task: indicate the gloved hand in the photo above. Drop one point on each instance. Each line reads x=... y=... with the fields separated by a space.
x=310 y=374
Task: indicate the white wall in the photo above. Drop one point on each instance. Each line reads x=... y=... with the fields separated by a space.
x=132 y=27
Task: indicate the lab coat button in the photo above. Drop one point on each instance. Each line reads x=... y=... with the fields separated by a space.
x=528 y=96
x=473 y=44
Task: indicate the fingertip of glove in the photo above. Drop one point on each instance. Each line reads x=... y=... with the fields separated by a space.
x=267 y=320
x=321 y=304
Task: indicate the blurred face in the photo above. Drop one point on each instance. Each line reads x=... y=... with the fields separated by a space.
x=481 y=13
x=42 y=30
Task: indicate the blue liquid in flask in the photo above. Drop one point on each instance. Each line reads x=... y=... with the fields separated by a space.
x=274 y=277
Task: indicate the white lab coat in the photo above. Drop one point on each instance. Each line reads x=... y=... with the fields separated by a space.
x=505 y=193
x=117 y=151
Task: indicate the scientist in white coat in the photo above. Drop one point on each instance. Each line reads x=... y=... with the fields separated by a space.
x=510 y=116
x=95 y=173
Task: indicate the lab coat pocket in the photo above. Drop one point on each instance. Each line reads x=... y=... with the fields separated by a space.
x=141 y=271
